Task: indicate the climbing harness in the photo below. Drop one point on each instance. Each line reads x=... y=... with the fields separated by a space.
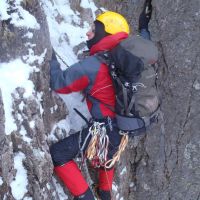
x=97 y=149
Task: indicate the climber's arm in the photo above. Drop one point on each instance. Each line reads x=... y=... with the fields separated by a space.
x=70 y=80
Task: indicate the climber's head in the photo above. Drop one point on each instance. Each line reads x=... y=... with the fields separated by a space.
x=108 y=23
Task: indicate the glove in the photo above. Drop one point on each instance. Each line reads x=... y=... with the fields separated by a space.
x=145 y=15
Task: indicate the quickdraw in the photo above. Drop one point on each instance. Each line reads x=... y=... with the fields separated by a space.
x=97 y=149
x=98 y=146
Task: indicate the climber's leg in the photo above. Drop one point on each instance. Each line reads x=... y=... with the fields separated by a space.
x=70 y=174
x=105 y=183
x=63 y=153
x=106 y=175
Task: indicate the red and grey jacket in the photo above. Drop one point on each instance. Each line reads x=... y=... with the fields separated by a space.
x=91 y=76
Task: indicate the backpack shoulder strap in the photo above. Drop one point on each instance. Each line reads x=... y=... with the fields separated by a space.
x=126 y=105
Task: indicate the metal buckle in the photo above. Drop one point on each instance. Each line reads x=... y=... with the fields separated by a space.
x=123 y=132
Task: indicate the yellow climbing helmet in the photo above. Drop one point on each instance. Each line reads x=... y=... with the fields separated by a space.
x=113 y=22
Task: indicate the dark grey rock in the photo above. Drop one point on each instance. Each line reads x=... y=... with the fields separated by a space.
x=164 y=163
x=34 y=115
x=167 y=167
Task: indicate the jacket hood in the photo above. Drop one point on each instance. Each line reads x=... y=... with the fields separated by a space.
x=108 y=42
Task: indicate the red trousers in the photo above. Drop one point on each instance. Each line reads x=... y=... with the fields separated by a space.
x=73 y=179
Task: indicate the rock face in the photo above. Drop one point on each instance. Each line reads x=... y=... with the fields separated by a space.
x=34 y=116
x=165 y=164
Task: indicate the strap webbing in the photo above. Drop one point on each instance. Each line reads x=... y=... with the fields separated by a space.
x=130 y=106
x=82 y=116
x=125 y=97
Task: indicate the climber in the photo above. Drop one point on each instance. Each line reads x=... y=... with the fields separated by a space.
x=92 y=76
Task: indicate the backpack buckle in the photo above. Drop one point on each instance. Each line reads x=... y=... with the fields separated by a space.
x=113 y=74
x=127 y=84
x=134 y=88
x=123 y=132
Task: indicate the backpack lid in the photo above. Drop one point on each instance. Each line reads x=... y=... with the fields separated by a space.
x=127 y=65
x=143 y=48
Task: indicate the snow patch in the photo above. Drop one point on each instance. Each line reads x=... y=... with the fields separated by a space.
x=124 y=170
x=197 y=13
x=3 y=10
x=23 y=133
x=12 y=75
x=114 y=187
x=19 y=117
x=28 y=198
x=117 y=196
x=32 y=124
x=196 y=85
x=1 y=181
x=28 y=44
x=53 y=109
x=22 y=18
x=31 y=57
x=39 y=100
x=62 y=22
x=63 y=125
x=60 y=191
x=132 y=184
x=48 y=186
x=89 y=4
x=21 y=105
x=146 y=187
x=29 y=35
x=18 y=186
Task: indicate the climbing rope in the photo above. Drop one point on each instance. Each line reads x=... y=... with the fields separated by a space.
x=61 y=58
x=110 y=163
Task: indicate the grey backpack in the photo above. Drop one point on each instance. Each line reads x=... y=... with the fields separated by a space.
x=132 y=67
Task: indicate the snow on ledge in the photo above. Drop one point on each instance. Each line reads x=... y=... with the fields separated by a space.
x=20 y=17
x=1 y=181
x=12 y=75
x=19 y=184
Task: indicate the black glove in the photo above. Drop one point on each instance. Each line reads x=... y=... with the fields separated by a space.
x=145 y=15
